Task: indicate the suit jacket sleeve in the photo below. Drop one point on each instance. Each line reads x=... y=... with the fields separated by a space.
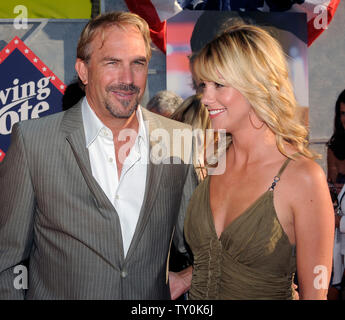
x=16 y=216
x=342 y=224
x=188 y=189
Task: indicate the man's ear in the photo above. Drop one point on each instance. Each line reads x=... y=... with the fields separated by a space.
x=81 y=68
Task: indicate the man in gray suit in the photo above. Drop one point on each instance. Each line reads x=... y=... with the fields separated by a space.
x=92 y=197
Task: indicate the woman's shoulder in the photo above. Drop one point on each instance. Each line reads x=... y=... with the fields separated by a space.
x=307 y=189
x=303 y=172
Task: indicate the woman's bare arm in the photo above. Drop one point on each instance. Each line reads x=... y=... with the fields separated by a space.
x=314 y=230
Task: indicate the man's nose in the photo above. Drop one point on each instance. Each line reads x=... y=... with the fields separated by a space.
x=126 y=75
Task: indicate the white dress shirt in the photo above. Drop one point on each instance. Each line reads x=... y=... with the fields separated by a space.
x=341 y=199
x=126 y=192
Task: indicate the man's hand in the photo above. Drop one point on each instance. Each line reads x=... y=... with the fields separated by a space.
x=337 y=221
x=295 y=292
x=180 y=282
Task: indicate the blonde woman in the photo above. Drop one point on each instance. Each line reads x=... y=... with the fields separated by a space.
x=270 y=212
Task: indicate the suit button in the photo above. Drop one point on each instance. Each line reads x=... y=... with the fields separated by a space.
x=124 y=274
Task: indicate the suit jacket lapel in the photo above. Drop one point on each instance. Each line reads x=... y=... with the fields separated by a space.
x=154 y=173
x=72 y=126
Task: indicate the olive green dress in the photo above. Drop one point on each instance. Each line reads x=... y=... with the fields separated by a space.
x=252 y=259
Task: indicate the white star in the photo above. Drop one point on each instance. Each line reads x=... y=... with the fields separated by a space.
x=44 y=69
x=26 y=51
x=61 y=87
x=53 y=78
x=35 y=60
x=7 y=51
x=16 y=41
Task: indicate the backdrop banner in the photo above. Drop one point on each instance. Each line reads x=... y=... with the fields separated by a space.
x=29 y=90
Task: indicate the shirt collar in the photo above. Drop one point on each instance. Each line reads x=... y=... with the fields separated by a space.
x=93 y=125
x=142 y=131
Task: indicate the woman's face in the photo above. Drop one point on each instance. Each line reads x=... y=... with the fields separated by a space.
x=342 y=114
x=228 y=108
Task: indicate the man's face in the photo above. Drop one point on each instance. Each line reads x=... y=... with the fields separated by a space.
x=116 y=73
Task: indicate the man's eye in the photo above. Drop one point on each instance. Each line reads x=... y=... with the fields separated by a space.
x=140 y=63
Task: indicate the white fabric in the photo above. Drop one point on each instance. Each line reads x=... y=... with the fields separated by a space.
x=166 y=9
x=339 y=243
x=126 y=192
x=342 y=226
x=341 y=199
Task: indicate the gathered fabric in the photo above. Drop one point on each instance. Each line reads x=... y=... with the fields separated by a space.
x=252 y=259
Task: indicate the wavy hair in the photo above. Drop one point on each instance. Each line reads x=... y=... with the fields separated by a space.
x=250 y=60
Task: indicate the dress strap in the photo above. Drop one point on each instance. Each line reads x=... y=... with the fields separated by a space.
x=281 y=170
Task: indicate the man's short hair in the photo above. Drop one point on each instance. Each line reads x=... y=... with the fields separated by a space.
x=100 y=23
x=103 y=21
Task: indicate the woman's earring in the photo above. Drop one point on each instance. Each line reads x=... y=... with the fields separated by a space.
x=251 y=121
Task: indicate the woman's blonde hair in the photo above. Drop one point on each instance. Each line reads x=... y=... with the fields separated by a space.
x=250 y=60
x=193 y=112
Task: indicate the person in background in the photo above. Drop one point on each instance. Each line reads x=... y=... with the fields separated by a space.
x=194 y=113
x=164 y=103
x=336 y=146
x=337 y=287
x=72 y=95
x=336 y=180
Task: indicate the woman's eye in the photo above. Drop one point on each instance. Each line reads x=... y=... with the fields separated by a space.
x=218 y=85
x=201 y=85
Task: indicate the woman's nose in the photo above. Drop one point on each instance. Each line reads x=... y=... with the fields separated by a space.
x=207 y=97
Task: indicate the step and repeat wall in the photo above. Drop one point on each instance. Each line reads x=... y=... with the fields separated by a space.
x=38 y=40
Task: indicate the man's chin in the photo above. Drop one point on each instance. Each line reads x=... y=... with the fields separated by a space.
x=122 y=114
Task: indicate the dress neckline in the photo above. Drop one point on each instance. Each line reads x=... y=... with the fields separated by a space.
x=269 y=191
x=243 y=213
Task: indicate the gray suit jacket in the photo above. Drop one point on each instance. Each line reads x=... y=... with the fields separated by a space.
x=54 y=215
